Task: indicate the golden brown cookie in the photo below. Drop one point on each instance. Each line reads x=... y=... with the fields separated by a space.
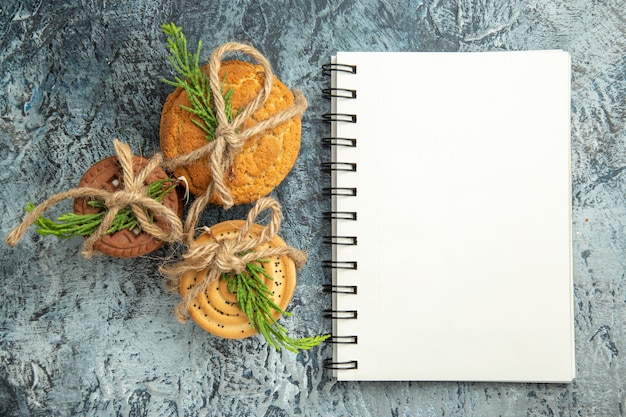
x=216 y=310
x=265 y=159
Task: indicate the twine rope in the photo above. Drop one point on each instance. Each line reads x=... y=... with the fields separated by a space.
x=133 y=195
x=229 y=256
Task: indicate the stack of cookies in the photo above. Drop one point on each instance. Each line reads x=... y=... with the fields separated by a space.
x=261 y=164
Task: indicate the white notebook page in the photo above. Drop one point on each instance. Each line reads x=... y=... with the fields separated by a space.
x=464 y=217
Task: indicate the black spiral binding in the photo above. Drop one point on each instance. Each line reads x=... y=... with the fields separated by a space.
x=351 y=142
x=340 y=192
x=330 y=364
x=341 y=289
x=339 y=215
x=339 y=117
x=340 y=240
x=327 y=69
x=338 y=166
x=341 y=314
x=345 y=340
x=338 y=92
x=340 y=264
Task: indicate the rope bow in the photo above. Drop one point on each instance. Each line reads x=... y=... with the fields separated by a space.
x=229 y=256
x=134 y=194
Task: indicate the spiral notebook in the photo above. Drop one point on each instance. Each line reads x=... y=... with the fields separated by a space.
x=451 y=216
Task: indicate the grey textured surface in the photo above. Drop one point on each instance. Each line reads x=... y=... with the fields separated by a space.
x=97 y=337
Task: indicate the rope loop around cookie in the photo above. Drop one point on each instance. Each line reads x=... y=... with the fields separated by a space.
x=215 y=62
x=229 y=256
x=133 y=195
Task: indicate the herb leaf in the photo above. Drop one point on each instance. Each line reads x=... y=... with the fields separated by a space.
x=254 y=299
x=71 y=224
x=194 y=81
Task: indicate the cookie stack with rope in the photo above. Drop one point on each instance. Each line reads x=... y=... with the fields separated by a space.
x=230 y=133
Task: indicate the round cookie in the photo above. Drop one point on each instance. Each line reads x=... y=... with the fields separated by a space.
x=107 y=174
x=265 y=159
x=216 y=310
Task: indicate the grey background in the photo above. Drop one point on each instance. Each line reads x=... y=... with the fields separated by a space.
x=97 y=337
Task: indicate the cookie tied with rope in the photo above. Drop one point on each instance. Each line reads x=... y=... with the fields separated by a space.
x=249 y=155
x=118 y=183
x=229 y=249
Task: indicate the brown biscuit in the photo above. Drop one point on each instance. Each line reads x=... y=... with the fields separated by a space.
x=265 y=159
x=107 y=174
x=216 y=310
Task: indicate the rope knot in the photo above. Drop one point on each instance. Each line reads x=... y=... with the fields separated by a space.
x=227 y=133
x=123 y=198
x=227 y=260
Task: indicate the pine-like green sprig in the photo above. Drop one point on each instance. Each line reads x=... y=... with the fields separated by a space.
x=194 y=81
x=71 y=224
x=254 y=299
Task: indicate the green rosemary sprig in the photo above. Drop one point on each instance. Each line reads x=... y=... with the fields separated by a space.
x=71 y=224
x=194 y=81
x=254 y=299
